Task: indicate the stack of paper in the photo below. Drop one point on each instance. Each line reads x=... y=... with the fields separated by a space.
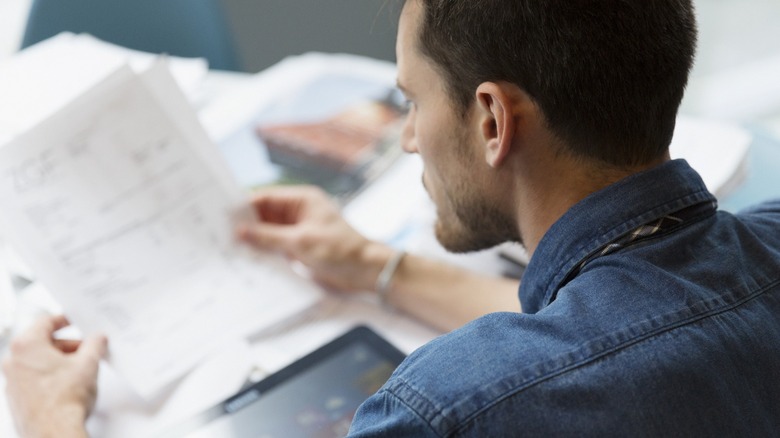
x=125 y=210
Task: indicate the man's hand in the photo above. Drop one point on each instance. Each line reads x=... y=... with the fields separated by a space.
x=305 y=225
x=52 y=384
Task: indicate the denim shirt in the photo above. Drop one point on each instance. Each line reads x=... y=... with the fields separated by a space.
x=673 y=334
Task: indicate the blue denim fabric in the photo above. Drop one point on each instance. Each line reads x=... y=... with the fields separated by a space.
x=676 y=335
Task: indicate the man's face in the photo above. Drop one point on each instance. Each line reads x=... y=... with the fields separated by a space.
x=456 y=174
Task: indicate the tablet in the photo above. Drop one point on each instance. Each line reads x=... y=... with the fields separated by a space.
x=316 y=396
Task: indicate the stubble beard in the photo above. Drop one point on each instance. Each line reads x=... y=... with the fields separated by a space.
x=469 y=221
x=473 y=224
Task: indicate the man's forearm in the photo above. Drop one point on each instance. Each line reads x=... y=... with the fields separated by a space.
x=62 y=423
x=446 y=296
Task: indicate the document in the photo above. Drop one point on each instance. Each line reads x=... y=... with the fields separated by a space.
x=126 y=212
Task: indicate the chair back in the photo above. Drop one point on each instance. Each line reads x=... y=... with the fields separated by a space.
x=189 y=28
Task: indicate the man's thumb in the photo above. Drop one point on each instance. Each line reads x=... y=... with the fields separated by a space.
x=93 y=348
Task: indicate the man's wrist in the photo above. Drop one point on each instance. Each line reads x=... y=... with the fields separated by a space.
x=65 y=421
x=374 y=259
x=385 y=277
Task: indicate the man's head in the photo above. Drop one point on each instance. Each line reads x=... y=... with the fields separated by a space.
x=606 y=76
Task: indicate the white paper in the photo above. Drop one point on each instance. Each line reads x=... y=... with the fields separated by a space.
x=113 y=203
x=119 y=413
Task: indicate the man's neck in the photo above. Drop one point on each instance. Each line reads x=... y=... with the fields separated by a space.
x=549 y=191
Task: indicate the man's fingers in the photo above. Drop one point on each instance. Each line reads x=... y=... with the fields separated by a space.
x=93 y=348
x=286 y=204
x=274 y=211
x=38 y=337
x=267 y=236
x=45 y=326
x=67 y=345
x=281 y=206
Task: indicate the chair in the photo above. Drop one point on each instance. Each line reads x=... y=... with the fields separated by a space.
x=190 y=28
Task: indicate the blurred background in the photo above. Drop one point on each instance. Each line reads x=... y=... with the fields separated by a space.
x=735 y=78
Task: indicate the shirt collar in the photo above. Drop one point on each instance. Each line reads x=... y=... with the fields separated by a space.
x=603 y=217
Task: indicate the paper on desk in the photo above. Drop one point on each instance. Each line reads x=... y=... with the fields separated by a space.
x=43 y=78
x=306 y=87
x=115 y=204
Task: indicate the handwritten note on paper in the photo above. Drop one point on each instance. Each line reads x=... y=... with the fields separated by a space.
x=114 y=204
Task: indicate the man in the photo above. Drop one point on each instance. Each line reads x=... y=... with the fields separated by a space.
x=646 y=311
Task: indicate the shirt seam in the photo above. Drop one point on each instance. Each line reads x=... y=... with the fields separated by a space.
x=400 y=382
x=614 y=349
x=701 y=195
x=641 y=240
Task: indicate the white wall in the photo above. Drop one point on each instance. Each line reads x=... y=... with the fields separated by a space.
x=738 y=61
x=13 y=14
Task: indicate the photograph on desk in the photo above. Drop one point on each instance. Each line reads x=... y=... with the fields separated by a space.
x=332 y=120
x=338 y=142
x=341 y=153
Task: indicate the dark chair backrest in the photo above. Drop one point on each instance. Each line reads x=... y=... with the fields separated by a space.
x=190 y=28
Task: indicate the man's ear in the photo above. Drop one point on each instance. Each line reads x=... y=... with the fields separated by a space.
x=496 y=121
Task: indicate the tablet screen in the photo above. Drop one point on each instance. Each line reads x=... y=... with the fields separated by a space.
x=316 y=396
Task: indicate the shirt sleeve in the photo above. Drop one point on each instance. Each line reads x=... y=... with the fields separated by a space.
x=385 y=415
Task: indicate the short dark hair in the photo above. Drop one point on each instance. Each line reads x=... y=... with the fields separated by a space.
x=608 y=75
